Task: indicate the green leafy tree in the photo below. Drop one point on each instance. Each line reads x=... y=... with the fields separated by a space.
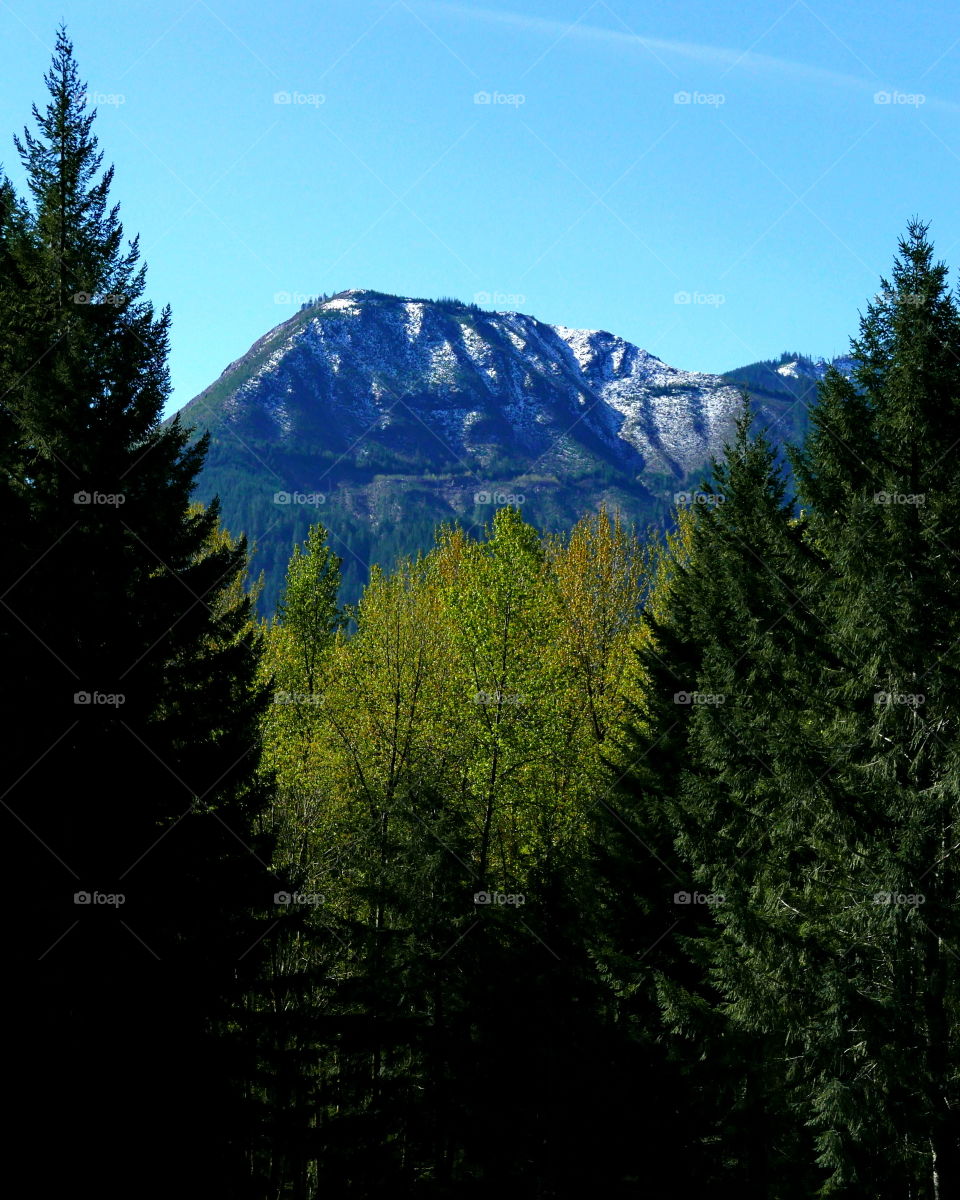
x=308 y=606
x=457 y=728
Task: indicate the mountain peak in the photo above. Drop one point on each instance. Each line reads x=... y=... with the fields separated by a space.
x=453 y=384
x=350 y=294
x=397 y=413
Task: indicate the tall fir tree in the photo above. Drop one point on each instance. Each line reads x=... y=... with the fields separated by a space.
x=880 y=480
x=702 y=810
x=814 y=785
x=131 y=710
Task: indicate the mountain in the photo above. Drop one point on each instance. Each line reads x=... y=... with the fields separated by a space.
x=383 y=416
x=785 y=389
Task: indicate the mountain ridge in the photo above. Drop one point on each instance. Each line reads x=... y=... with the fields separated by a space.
x=402 y=412
x=596 y=369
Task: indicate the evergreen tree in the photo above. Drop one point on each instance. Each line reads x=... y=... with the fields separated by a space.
x=813 y=782
x=131 y=708
x=880 y=478
x=704 y=814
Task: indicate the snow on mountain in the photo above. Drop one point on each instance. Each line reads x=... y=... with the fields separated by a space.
x=815 y=368
x=474 y=381
x=403 y=413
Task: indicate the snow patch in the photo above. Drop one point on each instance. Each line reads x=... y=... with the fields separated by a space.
x=580 y=342
x=443 y=360
x=414 y=319
x=341 y=304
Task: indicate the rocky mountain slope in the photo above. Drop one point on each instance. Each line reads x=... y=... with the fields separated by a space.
x=382 y=415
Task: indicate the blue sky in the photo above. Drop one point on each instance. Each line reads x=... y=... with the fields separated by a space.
x=735 y=154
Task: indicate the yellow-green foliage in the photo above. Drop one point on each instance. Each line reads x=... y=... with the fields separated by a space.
x=487 y=674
